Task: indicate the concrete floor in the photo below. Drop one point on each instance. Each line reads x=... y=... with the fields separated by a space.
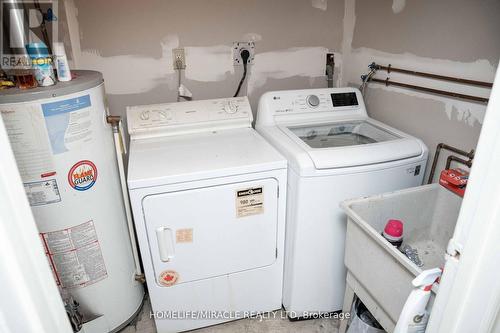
x=280 y=324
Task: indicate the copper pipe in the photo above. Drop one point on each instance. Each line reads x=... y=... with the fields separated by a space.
x=431 y=90
x=440 y=146
x=434 y=76
x=457 y=159
x=113 y=120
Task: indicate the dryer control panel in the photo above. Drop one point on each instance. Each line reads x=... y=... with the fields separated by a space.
x=188 y=117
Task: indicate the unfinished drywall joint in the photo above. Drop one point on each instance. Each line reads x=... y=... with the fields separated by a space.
x=356 y=61
x=251 y=36
x=320 y=4
x=468 y=112
x=209 y=64
x=74 y=32
x=130 y=74
x=301 y=61
x=398 y=6
x=348 y=33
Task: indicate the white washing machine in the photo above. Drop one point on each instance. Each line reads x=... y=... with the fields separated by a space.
x=208 y=195
x=335 y=152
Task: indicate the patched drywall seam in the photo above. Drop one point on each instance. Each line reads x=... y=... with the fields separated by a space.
x=348 y=33
x=303 y=61
x=356 y=63
x=209 y=64
x=398 y=6
x=129 y=74
x=480 y=69
x=132 y=74
x=320 y=4
x=74 y=31
x=251 y=36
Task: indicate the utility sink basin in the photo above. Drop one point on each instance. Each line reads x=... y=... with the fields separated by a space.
x=378 y=273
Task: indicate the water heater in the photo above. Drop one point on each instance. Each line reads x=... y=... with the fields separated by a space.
x=65 y=154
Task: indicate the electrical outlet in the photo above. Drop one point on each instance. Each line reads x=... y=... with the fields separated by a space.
x=238 y=47
x=179 y=58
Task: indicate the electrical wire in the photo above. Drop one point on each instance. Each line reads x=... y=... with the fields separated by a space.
x=178 y=65
x=244 y=54
x=242 y=80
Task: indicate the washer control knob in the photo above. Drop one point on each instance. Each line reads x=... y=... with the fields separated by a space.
x=312 y=100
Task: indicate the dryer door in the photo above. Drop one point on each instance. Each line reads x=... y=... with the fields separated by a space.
x=202 y=233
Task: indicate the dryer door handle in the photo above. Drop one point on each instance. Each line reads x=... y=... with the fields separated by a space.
x=164 y=236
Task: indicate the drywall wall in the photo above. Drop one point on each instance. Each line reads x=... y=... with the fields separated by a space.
x=455 y=38
x=131 y=42
x=446 y=29
x=449 y=37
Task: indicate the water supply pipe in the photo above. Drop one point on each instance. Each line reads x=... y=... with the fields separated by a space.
x=469 y=155
x=389 y=69
x=388 y=82
x=451 y=158
x=114 y=121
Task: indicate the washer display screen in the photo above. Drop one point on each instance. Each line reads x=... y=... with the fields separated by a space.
x=344 y=99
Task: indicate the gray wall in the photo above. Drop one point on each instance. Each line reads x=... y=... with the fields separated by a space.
x=459 y=30
x=451 y=37
x=131 y=43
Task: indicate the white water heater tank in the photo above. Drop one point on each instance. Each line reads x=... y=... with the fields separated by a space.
x=65 y=153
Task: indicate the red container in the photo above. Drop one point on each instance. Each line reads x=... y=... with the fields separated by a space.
x=393 y=232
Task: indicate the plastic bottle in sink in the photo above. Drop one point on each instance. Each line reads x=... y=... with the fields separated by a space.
x=393 y=232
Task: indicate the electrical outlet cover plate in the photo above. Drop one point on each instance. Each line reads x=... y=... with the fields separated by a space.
x=238 y=47
x=178 y=54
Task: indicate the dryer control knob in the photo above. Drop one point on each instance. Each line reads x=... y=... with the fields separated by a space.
x=144 y=115
x=230 y=107
x=312 y=100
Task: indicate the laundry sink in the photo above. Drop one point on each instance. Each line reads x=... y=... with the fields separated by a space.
x=378 y=272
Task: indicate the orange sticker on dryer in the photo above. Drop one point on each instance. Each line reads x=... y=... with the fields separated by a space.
x=184 y=235
x=168 y=278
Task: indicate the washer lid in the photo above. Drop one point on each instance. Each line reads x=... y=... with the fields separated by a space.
x=350 y=133
x=352 y=143
x=181 y=158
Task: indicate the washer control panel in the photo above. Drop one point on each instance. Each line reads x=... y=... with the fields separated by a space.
x=290 y=105
x=303 y=102
x=189 y=116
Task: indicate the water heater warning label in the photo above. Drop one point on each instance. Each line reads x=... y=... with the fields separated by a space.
x=249 y=201
x=29 y=140
x=42 y=193
x=75 y=255
x=69 y=123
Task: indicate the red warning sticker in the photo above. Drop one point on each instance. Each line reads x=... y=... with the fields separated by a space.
x=168 y=278
x=82 y=175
